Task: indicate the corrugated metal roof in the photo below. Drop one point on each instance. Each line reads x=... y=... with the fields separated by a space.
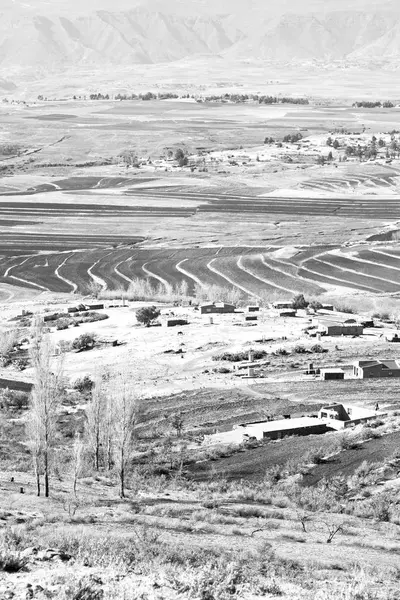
x=390 y=364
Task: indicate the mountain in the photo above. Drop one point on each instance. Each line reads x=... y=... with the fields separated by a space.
x=48 y=37
x=7 y=86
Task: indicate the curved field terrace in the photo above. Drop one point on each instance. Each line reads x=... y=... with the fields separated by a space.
x=256 y=272
x=71 y=233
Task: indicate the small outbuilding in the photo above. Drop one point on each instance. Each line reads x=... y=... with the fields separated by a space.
x=336 y=328
x=217 y=308
x=253 y=309
x=330 y=374
x=282 y=304
x=175 y=322
x=286 y=313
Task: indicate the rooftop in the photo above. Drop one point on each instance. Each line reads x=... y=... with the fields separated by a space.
x=386 y=364
x=281 y=424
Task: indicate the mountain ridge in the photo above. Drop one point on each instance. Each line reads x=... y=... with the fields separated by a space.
x=47 y=39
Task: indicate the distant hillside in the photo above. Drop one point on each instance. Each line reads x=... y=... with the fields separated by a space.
x=7 y=86
x=58 y=35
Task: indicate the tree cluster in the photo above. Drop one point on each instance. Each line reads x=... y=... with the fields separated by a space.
x=370 y=150
x=369 y=104
x=110 y=419
x=292 y=138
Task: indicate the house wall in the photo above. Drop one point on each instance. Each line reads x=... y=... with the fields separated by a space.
x=338 y=329
x=216 y=310
x=175 y=322
x=337 y=412
x=318 y=429
x=330 y=376
x=252 y=309
x=377 y=371
x=338 y=425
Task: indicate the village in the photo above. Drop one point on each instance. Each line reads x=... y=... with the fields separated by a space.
x=219 y=346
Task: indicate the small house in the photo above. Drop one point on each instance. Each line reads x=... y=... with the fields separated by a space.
x=217 y=308
x=328 y=307
x=368 y=369
x=253 y=309
x=335 y=328
x=286 y=313
x=330 y=374
x=338 y=416
x=282 y=304
x=176 y=322
x=250 y=318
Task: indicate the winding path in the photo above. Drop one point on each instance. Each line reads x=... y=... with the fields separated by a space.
x=71 y=283
x=164 y=282
x=184 y=272
x=25 y=281
x=268 y=282
x=96 y=278
x=229 y=280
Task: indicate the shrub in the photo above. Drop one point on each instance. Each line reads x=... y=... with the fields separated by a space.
x=281 y=352
x=299 y=349
x=90 y=317
x=183 y=162
x=240 y=356
x=21 y=363
x=11 y=562
x=344 y=308
x=62 y=324
x=85 y=341
x=84 y=385
x=317 y=349
x=315 y=305
x=12 y=399
x=314 y=456
x=147 y=315
x=299 y=302
x=348 y=441
x=381 y=505
x=8 y=341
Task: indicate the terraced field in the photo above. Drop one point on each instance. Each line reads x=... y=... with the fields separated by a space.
x=255 y=271
x=67 y=260
x=282 y=276
x=367 y=270
x=204 y=200
x=350 y=182
x=212 y=201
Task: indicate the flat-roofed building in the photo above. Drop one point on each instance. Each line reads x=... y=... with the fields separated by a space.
x=368 y=369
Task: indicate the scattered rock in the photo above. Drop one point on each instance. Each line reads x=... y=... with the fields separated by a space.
x=51 y=553
x=29 y=552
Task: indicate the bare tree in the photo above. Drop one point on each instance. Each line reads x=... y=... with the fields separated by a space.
x=126 y=408
x=77 y=461
x=183 y=288
x=108 y=433
x=304 y=519
x=177 y=423
x=96 y=420
x=33 y=431
x=333 y=527
x=44 y=405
